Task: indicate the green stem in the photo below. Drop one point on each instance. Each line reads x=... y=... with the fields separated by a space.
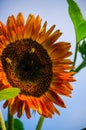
x=83 y=64
x=10 y=121
x=40 y=123
x=2 y=123
x=75 y=55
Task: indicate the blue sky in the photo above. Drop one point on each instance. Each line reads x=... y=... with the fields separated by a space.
x=55 y=12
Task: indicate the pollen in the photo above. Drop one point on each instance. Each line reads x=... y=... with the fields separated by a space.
x=32 y=50
x=8 y=60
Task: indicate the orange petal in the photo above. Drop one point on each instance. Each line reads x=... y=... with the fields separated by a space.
x=42 y=34
x=3 y=30
x=52 y=38
x=49 y=105
x=6 y=104
x=3 y=42
x=20 y=25
x=50 y=30
x=27 y=110
x=55 y=98
x=11 y=28
x=43 y=29
x=37 y=26
x=28 y=30
x=13 y=104
x=21 y=108
x=42 y=109
x=60 y=90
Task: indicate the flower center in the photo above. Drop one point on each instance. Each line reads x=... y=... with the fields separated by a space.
x=27 y=66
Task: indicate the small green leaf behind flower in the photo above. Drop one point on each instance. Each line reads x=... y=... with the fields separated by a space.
x=78 y=20
x=18 y=125
x=8 y=93
x=83 y=129
x=82 y=49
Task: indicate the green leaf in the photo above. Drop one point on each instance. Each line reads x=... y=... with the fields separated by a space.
x=8 y=93
x=81 y=31
x=77 y=19
x=18 y=125
x=82 y=49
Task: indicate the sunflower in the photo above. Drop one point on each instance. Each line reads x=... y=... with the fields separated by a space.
x=32 y=60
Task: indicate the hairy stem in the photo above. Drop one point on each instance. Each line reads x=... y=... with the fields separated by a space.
x=82 y=65
x=75 y=55
x=2 y=123
x=10 y=121
x=40 y=123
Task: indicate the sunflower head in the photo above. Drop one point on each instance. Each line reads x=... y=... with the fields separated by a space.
x=32 y=60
